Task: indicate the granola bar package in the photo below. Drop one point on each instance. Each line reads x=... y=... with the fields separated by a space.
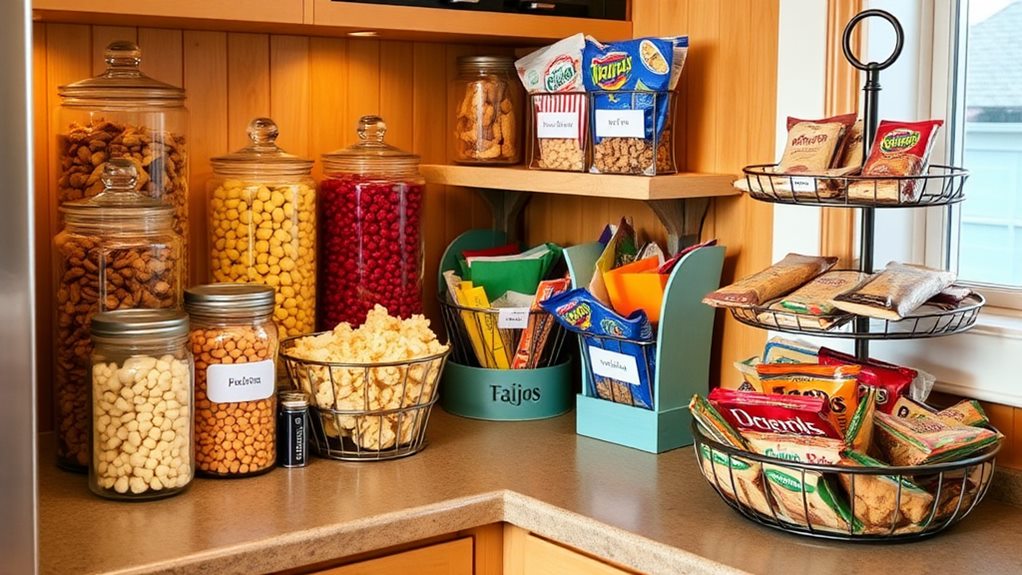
x=895 y=292
x=881 y=502
x=777 y=280
x=925 y=438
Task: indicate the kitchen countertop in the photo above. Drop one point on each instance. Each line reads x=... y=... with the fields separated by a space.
x=652 y=513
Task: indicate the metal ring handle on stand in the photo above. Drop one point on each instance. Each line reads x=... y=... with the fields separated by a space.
x=899 y=40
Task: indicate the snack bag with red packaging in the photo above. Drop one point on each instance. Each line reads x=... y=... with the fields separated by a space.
x=790 y=414
x=892 y=381
x=899 y=149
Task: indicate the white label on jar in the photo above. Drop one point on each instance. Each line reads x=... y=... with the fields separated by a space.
x=228 y=383
x=513 y=318
x=557 y=125
x=620 y=124
x=614 y=365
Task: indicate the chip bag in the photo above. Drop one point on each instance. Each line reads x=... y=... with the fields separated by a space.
x=792 y=414
x=835 y=384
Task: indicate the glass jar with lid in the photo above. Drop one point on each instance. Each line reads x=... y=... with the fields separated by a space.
x=488 y=111
x=262 y=225
x=370 y=202
x=118 y=250
x=141 y=434
x=234 y=342
x=122 y=113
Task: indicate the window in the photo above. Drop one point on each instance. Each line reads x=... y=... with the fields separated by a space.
x=977 y=79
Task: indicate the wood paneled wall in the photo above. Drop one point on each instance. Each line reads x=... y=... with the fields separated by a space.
x=725 y=119
x=314 y=88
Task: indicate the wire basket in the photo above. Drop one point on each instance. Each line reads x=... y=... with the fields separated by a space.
x=940 y=185
x=880 y=503
x=925 y=321
x=620 y=370
x=365 y=411
x=532 y=339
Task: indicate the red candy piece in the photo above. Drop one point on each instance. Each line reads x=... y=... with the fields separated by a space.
x=370 y=248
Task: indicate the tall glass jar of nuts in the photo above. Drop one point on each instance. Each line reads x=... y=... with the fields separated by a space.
x=118 y=250
x=487 y=118
x=141 y=434
x=122 y=113
x=370 y=202
x=234 y=341
x=262 y=225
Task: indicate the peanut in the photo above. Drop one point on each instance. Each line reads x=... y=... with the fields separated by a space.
x=266 y=233
x=133 y=275
x=142 y=439
x=236 y=438
x=160 y=156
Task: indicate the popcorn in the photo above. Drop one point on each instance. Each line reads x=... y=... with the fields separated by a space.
x=365 y=382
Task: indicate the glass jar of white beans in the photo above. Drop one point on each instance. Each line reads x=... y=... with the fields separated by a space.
x=142 y=417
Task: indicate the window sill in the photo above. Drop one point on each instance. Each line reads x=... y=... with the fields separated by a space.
x=999 y=322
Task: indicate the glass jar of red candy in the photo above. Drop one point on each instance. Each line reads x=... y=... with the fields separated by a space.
x=370 y=202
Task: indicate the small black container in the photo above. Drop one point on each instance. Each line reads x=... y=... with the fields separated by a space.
x=292 y=429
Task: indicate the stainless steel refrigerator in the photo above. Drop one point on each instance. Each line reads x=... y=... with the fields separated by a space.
x=18 y=497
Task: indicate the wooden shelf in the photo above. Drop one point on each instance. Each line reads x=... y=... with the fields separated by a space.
x=520 y=179
x=329 y=18
x=449 y=24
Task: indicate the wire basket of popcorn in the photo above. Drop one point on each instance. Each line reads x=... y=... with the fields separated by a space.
x=373 y=387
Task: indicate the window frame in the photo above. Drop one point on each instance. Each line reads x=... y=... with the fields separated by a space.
x=948 y=26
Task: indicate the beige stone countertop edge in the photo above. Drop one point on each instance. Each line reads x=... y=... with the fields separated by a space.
x=328 y=543
x=605 y=541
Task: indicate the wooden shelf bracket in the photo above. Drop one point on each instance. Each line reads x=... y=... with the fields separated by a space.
x=506 y=206
x=682 y=219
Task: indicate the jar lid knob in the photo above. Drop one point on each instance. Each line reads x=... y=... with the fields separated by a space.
x=263 y=131
x=371 y=129
x=120 y=174
x=123 y=54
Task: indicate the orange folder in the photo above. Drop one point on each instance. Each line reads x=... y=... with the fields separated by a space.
x=637 y=286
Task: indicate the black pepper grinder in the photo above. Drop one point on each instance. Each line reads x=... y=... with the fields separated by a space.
x=292 y=429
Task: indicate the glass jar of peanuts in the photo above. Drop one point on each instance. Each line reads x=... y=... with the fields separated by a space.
x=370 y=202
x=123 y=113
x=118 y=250
x=262 y=225
x=487 y=117
x=234 y=341
x=141 y=404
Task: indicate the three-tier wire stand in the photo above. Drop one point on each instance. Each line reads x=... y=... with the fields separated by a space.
x=958 y=485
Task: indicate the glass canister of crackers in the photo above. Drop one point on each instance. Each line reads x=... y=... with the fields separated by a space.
x=899 y=149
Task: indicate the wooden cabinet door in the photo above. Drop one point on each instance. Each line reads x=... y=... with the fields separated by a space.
x=450 y=558
x=526 y=554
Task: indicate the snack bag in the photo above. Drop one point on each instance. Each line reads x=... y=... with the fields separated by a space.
x=619 y=250
x=621 y=361
x=560 y=109
x=895 y=292
x=966 y=412
x=837 y=385
x=877 y=501
x=859 y=434
x=738 y=478
x=927 y=439
x=891 y=381
x=631 y=83
x=899 y=149
x=777 y=280
x=791 y=414
x=810 y=147
x=783 y=350
x=750 y=379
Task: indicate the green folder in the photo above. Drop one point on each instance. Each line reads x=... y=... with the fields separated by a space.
x=520 y=272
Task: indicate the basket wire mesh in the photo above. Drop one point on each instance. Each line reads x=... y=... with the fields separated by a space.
x=940 y=185
x=952 y=490
x=367 y=411
x=924 y=322
x=478 y=341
